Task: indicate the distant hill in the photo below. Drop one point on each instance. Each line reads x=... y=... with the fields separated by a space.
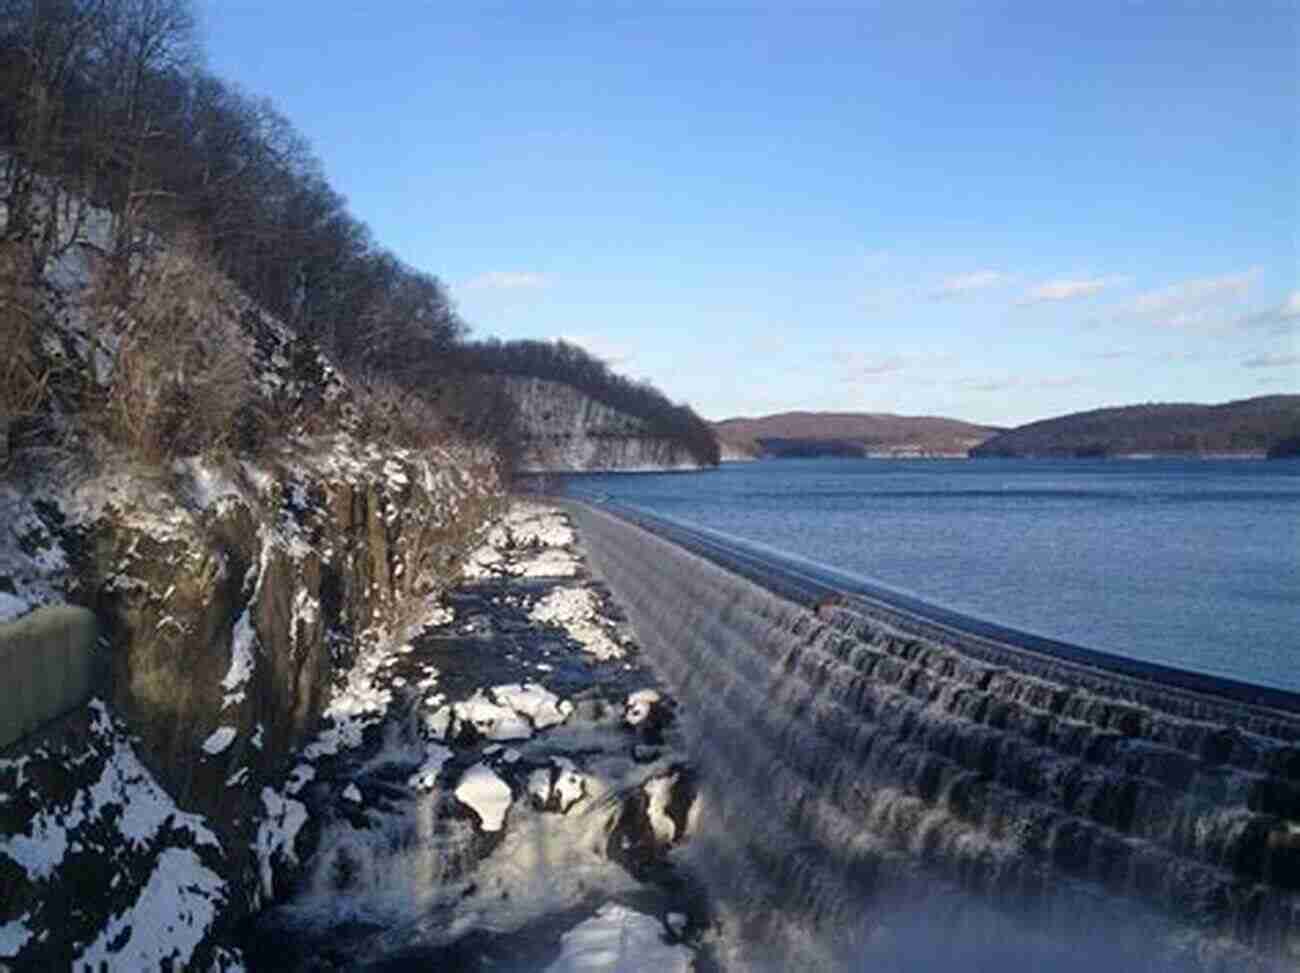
x=848 y=434
x=1245 y=427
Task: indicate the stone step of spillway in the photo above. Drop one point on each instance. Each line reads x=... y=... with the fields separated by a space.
x=849 y=754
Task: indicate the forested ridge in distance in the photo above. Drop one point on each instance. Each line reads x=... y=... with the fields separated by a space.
x=849 y=434
x=1265 y=424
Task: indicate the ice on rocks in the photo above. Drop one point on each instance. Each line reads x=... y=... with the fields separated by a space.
x=548 y=564
x=438 y=722
x=14 y=936
x=171 y=917
x=242 y=661
x=558 y=787
x=220 y=740
x=570 y=785
x=640 y=705
x=577 y=610
x=539 y=704
x=619 y=940
x=539 y=786
x=481 y=790
x=530 y=541
x=484 y=562
x=660 y=792
x=534 y=525
x=276 y=835
x=491 y=721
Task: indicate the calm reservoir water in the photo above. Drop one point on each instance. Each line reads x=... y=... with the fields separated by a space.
x=1193 y=563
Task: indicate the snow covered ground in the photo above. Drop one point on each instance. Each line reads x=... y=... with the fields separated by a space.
x=162 y=867
x=485 y=793
x=491 y=774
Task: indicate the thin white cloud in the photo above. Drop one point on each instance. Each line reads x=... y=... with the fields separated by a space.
x=1057 y=382
x=959 y=285
x=857 y=367
x=1067 y=289
x=1282 y=318
x=1269 y=360
x=507 y=280
x=612 y=353
x=860 y=369
x=1016 y=382
x=1192 y=294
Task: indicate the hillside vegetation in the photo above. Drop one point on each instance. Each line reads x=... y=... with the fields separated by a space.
x=850 y=434
x=1247 y=426
x=117 y=147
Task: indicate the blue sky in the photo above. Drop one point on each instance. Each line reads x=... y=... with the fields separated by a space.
x=998 y=212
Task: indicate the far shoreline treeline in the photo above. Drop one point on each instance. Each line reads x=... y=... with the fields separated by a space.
x=1255 y=428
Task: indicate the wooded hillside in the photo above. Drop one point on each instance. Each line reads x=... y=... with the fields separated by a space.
x=112 y=131
x=1244 y=426
x=850 y=434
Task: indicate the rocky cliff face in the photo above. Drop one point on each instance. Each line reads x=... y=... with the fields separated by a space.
x=231 y=600
x=237 y=602
x=562 y=430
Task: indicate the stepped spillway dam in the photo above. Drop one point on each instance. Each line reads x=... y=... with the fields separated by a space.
x=890 y=784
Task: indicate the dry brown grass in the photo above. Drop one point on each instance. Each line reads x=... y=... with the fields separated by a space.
x=24 y=379
x=182 y=382
x=387 y=412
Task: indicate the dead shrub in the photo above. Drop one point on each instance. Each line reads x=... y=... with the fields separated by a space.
x=388 y=412
x=182 y=382
x=24 y=378
x=480 y=409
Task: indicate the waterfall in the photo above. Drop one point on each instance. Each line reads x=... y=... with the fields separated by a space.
x=870 y=797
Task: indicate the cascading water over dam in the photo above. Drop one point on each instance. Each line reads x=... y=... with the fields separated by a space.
x=885 y=791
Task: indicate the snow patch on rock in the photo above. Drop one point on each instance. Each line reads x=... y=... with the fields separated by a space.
x=539 y=704
x=486 y=794
x=660 y=792
x=14 y=936
x=618 y=940
x=491 y=721
x=171 y=917
x=577 y=611
x=640 y=705
x=276 y=835
x=220 y=740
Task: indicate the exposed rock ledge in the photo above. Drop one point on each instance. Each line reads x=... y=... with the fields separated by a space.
x=562 y=430
x=232 y=602
x=304 y=721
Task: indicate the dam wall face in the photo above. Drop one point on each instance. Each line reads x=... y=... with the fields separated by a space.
x=860 y=780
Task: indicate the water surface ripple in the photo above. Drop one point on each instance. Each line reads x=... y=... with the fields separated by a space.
x=1192 y=563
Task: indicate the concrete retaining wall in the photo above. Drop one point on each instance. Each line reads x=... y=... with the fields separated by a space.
x=47 y=666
